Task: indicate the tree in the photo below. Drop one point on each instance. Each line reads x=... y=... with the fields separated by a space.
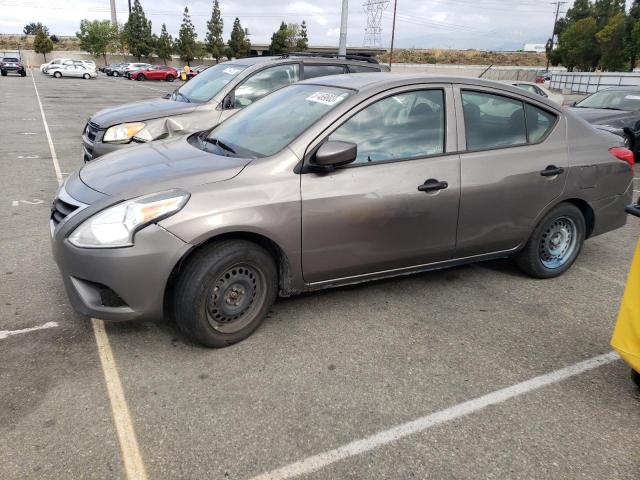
x=302 y=42
x=213 y=40
x=137 y=32
x=187 y=38
x=164 y=45
x=32 y=28
x=611 y=41
x=578 y=46
x=200 y=51
x=95 y=37
x=581 y=9
x=604 y=10
x=279 y=43
x=42 y=43
x=238 y=45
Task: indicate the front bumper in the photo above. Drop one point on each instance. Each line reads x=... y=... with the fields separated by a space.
x=120 y=284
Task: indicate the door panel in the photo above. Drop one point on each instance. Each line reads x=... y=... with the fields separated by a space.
x=370 y=217
x=502 y=189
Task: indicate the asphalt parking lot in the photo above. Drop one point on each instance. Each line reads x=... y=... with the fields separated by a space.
x=305 y=396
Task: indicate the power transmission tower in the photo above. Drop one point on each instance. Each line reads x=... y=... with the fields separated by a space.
x=555 y=23
x=373 y=30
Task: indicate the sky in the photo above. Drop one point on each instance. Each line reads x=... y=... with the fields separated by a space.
x=459 y=24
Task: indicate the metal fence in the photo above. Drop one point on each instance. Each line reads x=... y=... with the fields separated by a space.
x=592 y=82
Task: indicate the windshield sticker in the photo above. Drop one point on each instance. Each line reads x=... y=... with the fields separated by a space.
x=231 y=70
x=632 y=97
x=326 y=98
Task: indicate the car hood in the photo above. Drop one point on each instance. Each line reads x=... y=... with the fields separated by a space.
x=140 y=111
x=158 y=166
x=601 y=116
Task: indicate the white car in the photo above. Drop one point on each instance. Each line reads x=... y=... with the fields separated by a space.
x=44 y=68
x=132 y=67
x=538 y=89
x=77 y=70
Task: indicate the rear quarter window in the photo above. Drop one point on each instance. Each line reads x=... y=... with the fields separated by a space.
x=362 y=69
x=313 y=71
x=539 y=122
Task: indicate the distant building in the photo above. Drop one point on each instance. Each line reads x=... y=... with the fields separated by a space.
x=534 y=47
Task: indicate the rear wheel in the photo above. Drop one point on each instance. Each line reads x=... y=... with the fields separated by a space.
x=86 y=76
x=635 y=376
x=57 y=74
x=170 y=78
x=224 y=292
x=115 y=74
x=140 y=78
x=554 y=244
x=23 y=73
x=3 y=73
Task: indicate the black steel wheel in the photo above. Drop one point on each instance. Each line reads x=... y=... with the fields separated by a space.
x=224 y=292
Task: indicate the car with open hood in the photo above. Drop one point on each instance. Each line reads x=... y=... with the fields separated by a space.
x=209 y=98
x=333 y=181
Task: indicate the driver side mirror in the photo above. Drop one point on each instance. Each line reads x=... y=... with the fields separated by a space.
x=333 y=154
x=227 y=103
x=573 y=104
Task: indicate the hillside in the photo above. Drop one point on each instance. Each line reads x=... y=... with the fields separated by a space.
x=465 y=57
x=25 y=42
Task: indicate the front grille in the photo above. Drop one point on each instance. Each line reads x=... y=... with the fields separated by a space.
x=61 y=210
x=92 y=131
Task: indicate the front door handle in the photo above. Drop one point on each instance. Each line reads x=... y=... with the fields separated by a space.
x=551 y=170
x=432 y=184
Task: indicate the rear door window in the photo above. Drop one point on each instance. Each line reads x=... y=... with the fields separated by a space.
x=492 y=121
x=539 y=122
x=362 y=69
x=312 y=71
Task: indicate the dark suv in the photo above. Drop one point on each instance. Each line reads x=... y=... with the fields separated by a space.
x=12 y=64
x=210 y=98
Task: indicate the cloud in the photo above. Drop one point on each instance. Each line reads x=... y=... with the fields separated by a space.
x=488 y=24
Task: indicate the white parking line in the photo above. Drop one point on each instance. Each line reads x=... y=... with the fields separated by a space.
x=131 y=458
x=7 y=333
x=316 y=462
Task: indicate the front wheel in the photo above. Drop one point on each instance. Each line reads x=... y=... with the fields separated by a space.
x=170 y=78
x=554 y=244
x=3 y=73
x=635 y=376
x=86 y=76
x=115 y=74
x=57 y=74
x=224 y=292
x=140 y=78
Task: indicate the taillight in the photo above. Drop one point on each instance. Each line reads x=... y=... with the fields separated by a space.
x=622 y=153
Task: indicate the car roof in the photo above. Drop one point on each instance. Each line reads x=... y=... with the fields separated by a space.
x=384 y=80
x=307 y=58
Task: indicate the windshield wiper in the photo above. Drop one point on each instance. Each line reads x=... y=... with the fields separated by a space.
x=180 y=94
x=222 y=145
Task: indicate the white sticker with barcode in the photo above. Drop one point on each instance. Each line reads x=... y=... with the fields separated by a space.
x=231 y=70
x=326 y=98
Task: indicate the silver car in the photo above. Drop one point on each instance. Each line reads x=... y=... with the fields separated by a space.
x=328 y=182
x=75 y=70
x=209 y=98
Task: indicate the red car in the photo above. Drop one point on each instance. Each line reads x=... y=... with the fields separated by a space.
x=156 y=72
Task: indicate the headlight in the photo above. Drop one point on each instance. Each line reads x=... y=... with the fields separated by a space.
x=116 y=225
x=123 y=132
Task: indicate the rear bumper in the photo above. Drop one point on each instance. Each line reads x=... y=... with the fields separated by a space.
x=611 y=213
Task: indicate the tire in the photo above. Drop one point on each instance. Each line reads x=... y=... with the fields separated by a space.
x=57 y=74
x=140 y=78
x=169 y=78
x=635 y=376
x=115 y=74
x=542 y=257
x=3 y=73
x=86 y=76
x=23 y=74
x=216 y=276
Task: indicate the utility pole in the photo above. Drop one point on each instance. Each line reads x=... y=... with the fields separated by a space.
x=342 y=48
x=393 y=31
x=553 y=33
x=114 y=20
x=129 y=7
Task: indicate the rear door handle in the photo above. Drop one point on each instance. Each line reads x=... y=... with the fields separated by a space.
x=432 y=185
x=551 y=170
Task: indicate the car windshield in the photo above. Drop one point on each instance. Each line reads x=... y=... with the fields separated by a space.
x=613 y=100
x=10 y=59
x=208 y=83
x=270 y=124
